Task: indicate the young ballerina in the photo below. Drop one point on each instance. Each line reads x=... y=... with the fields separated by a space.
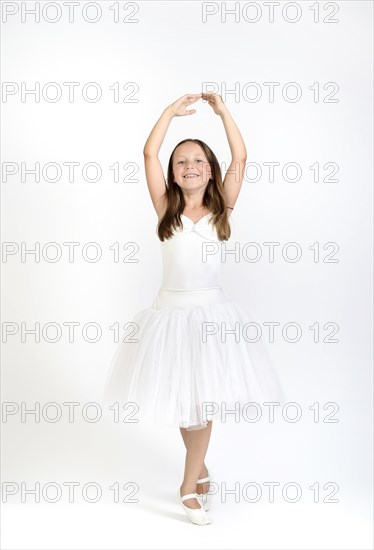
x=173 y=371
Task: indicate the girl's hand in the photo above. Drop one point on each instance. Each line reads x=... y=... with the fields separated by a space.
x=216 y=102
x=178 y=108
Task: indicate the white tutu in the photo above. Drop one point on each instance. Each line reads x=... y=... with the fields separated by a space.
x=191 y=359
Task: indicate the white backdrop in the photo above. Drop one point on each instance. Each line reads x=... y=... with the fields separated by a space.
x=161 y=51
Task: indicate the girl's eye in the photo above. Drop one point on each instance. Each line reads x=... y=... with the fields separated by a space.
x=197 y=160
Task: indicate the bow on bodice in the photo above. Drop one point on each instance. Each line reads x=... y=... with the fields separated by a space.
x=202 y=227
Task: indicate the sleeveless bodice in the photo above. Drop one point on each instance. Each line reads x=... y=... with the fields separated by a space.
x=191 y=258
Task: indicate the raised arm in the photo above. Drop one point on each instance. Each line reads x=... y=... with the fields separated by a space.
x=235 y=172
x=153 y=170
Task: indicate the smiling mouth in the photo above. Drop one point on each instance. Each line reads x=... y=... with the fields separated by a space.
x=191 y=176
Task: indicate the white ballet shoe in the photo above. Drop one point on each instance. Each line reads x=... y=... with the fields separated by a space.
x=198 y=516
x=206 y=499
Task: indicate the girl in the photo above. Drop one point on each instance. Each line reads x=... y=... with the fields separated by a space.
x=183 y=371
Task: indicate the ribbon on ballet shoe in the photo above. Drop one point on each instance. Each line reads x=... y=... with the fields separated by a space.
x=206 y=498
x=198 y=516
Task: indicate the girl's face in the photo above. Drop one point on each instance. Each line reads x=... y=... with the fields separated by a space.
x=190 y=166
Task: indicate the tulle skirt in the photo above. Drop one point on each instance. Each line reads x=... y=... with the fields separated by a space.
x=189 y=358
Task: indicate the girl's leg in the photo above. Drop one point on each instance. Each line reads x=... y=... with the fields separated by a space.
x=196 y=442
x=185 y=433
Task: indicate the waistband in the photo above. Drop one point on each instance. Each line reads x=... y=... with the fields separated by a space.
x=189 y=289
x=192 y=297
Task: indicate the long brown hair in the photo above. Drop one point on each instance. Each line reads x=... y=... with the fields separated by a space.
x=213 y=198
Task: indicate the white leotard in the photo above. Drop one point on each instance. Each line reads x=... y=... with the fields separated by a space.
x=191 y=262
